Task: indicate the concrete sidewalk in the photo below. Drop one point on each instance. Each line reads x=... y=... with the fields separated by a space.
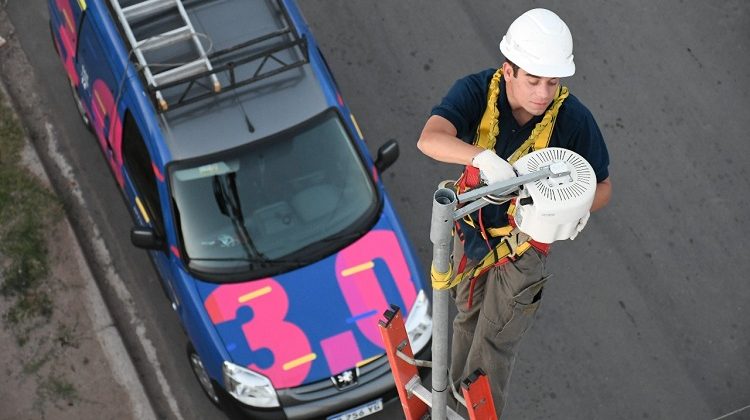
x=74 y=365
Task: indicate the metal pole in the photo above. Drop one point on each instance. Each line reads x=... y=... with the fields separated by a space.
x=444 y=214
x=443 y=206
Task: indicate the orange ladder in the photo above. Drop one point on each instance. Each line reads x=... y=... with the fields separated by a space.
x=414 y=397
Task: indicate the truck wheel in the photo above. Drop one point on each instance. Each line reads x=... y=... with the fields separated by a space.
x=201 y=375
x=80 y=107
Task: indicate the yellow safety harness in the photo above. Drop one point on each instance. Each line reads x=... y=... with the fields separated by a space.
x=514 y=242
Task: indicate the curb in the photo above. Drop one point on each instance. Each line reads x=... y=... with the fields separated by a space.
x=109 y=338
x=106 y=333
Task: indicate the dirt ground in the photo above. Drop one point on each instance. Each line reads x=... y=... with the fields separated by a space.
x=60 y=372
x=56 y=362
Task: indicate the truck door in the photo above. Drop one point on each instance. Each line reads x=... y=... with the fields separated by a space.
x=144 y=183
x=99 y=88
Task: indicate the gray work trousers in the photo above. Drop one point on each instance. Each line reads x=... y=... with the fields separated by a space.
x=505 y=301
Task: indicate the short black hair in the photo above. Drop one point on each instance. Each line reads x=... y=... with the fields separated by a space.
x=514 y=66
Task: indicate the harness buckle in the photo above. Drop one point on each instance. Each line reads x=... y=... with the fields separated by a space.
x=514 y=241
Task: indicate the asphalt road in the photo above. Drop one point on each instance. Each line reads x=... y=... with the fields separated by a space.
x=647 y=315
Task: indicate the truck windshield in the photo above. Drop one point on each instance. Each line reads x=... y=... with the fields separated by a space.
x=274 y=204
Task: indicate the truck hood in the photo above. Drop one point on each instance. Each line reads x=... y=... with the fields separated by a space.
x=317 y=321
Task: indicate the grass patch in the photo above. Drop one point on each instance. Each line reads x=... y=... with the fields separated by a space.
x=58 y=389
x=37 y=363
x=27 y=207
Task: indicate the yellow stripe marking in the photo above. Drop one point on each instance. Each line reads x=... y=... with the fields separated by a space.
x=252 y=295
x=68 y=20
x=300 y=361
x=366 y=361
x=357 y=126
x=82 y=4
x=142 y=210
x=357 y=268
x=99 y=102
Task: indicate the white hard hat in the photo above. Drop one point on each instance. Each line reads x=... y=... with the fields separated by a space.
x=540 y=43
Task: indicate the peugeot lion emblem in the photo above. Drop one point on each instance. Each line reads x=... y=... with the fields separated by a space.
x=345 y=379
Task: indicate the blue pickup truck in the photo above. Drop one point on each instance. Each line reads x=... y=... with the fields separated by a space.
x=254 y=194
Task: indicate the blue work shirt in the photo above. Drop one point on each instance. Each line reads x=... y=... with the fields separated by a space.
x=575 y=129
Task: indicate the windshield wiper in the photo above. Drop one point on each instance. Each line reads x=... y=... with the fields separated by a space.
x=260 y=261
x=228 y=200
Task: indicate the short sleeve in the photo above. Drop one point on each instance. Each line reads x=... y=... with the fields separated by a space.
x=586 y=139
x=465 y=102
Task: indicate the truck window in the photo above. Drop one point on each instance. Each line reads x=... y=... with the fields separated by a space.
x=140 y=168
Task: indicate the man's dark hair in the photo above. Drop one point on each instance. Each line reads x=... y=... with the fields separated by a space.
x=514 y=66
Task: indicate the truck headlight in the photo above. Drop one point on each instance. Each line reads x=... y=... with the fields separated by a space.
x=419 y=323
x=249 y=387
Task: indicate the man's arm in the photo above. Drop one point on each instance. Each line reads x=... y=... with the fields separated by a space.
x=602 y=194
x=438 y=141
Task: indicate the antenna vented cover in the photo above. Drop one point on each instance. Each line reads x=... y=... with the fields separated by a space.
x=557 y=203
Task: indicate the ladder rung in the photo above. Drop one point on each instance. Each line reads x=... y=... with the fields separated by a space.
x=186 y=70
x=165 y=39
x=146 y=8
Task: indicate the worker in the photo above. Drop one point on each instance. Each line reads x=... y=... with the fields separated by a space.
x=487 y=121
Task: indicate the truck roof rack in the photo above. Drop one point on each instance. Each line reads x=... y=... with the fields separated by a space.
x=199 y=77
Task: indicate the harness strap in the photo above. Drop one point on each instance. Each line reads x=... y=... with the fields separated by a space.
x=442 y=281
x=483 y=231
x=513 y=243
x=486 y=135
x=471 y=292
x=489 y=126
x=510 y=249
x=501 y=231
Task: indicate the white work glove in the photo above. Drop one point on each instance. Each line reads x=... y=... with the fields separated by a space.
x=492 y=168
x=581 y=224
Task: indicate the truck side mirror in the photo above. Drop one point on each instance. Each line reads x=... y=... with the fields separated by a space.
x=145 y=237
x=387 y=155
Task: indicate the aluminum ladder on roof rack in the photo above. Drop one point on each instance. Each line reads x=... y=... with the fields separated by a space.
x=132 y=13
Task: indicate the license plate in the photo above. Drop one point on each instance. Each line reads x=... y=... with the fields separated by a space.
x=359 y=412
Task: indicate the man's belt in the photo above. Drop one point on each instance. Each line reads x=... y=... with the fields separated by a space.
x=510 y=248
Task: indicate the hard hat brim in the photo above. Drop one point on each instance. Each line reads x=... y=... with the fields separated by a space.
x=563 y=69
